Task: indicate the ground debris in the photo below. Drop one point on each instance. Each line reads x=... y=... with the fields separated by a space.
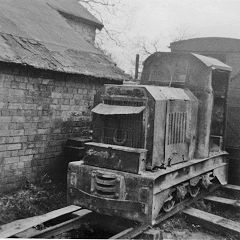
x=31 y=200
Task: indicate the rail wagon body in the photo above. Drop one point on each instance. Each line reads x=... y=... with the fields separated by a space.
x=157 y=143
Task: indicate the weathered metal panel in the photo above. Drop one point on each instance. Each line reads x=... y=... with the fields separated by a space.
x=177 y=132
x=131 y=99
x=136 y=203
x=185 y=173
x=163 y=68
x=115 y=157
x=159 y=134
x=133 y=209
x=129 y=91
x=233 y=129
x=144 y=194
x=193 y=123
x=187 y=71
x=105 y=109
x=150 y=131
x=164 y=93
x=212 y=62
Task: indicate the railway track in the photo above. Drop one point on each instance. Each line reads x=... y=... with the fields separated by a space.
x=218 y=219
x=72 y=217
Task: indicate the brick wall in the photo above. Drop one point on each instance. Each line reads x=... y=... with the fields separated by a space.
x=38 y=112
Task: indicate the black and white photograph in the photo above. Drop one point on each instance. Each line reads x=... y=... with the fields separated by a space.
x=120 y=119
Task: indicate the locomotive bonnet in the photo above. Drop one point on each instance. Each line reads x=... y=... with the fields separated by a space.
x=161 y=121
x=155 y=144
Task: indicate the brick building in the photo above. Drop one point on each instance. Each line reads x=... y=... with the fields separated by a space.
x=226 y=50
x=49 y=73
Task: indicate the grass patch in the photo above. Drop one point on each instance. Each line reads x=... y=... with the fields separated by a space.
x=32 y=200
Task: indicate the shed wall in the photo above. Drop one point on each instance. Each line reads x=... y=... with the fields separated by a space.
x=38 y=113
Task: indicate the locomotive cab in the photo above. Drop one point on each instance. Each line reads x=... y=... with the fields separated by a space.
x=157 y=143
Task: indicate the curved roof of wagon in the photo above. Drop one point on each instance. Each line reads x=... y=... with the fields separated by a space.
x=36 y=33
x=209 y=44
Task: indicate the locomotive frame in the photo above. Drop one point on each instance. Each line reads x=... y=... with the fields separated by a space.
x=175 y=147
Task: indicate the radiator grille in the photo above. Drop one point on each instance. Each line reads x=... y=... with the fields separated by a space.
x=123 y=103
x=123 y=130
x=177 y=124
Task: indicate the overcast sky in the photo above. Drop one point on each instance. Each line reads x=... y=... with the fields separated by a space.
x=163 y=20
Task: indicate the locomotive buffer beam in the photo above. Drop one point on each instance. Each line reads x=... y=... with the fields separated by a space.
x=72 y=217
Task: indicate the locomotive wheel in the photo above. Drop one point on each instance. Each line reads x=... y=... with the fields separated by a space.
x=194 y=191
x=168 y=205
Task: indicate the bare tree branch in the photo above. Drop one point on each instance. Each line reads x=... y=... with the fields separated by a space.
x=145 y=48
x=94 y=5
x=148 y=47
x=97 y=7
x=182 y=33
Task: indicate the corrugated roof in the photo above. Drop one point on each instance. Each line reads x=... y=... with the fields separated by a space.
x=106 y=109
x=34 y=33
x=212 y=62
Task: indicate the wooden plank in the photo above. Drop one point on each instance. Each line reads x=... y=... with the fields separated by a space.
x=121 y=234
x=213 y=222
x=152 y=234
x=57 y=229
x=233 y=188
x=131 y=233
x=15 y=227
x=224 y=201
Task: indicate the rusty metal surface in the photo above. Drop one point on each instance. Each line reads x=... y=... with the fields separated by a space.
x=106 y=109
x=197 y=73
x=170 y=68
x=185 y=174
x=148 y=131
x=107 y=156
x=178 y=130
x=120 y=148
x=165 y=93
x=148 y=188
x=137 y=189
x=214 y=157
x=107 y=204
x=33 y=33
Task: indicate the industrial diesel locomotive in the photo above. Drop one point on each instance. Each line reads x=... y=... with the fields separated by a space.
x=157 y=143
